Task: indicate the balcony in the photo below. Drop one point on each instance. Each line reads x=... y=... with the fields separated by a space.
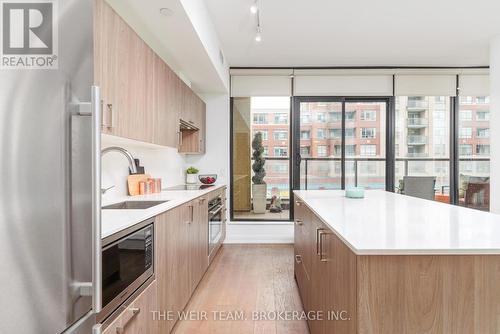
x=417 y=154
x=417 y=123
x=414 y=105
x=416 y=140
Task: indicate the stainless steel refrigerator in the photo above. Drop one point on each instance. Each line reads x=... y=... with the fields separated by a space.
x=49 y=169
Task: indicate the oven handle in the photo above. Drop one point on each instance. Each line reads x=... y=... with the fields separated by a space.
x=214 y=212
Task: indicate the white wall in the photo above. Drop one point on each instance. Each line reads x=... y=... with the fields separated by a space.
x=495 y=124
x=162 y=162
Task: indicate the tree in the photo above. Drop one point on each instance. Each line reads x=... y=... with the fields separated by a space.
x=258 y=159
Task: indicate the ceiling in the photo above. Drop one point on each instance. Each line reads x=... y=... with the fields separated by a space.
x=357 y=32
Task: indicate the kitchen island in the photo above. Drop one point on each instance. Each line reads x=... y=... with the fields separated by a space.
x=390 y=263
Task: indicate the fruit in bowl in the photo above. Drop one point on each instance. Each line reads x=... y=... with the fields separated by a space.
x=208 y=178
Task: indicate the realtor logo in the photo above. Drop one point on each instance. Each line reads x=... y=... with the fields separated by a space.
x=29 y=34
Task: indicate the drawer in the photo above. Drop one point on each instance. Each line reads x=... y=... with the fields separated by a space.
x=136 y=316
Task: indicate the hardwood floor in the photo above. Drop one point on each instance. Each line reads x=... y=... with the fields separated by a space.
x=242 y=280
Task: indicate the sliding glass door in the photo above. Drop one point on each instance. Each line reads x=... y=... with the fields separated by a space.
x=339 y=142
x=320 y=146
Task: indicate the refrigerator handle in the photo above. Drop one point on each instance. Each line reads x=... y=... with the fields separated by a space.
x=96 y=198
x=97 y=329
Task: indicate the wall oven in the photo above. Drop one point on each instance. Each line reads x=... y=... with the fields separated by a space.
x=215 y=208
x=127 y=263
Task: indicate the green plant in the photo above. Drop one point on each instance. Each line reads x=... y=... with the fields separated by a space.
x=192 y=170
x=258 y=159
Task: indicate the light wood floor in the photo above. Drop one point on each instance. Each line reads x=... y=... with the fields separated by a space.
x=243 y=279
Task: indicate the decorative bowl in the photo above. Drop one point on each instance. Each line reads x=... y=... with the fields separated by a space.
x=207 y=178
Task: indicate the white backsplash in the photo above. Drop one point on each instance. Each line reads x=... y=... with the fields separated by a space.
x=160 y=162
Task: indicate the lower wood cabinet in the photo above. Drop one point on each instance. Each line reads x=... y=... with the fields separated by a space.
x=198 y=241
x=181 y=256
x=325 y=270
x=403 y=294
x=137 y=316
x=171 y=267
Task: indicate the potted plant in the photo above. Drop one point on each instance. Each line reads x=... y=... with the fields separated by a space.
x=192 y=175
x=259 y=187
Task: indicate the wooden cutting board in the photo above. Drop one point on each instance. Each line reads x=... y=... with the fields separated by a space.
x=133 y=183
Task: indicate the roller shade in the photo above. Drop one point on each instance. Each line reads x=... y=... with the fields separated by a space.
x=425 y=85
x=261 y=85
x=343 y=85
x=474 y=85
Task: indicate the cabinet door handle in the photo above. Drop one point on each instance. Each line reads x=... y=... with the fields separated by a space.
x=298 y=203
x=192 y=213
x=321 y=258
x=319 y=231
x=102 y=114
x=134 y=311
x=299 y=222
x=202 y=200
x=298 y=258
x=111 y=111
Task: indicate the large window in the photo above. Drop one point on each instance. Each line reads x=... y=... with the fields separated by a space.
x=423 y=137
x=323 y=164
x=474 y=152
x=271 y=117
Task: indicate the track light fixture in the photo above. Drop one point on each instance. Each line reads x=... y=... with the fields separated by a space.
x=258 y=34
x=254 y=9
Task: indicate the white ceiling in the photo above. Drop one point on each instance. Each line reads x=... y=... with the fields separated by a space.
x=358 y=32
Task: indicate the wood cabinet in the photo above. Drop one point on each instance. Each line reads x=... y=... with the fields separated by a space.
x=142 y=98
x=181 y=255
x=325 y=270
x=198 y=241
x=136 y=316
x=194 y=114
x=368 y=294
x=171 y=268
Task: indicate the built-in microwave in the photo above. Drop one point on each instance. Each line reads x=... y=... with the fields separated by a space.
x=127 y=263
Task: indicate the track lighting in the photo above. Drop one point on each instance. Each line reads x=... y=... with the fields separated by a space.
x=258 y=37
x=254 y=8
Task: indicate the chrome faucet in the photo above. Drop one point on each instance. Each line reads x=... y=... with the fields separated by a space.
x=130 y=158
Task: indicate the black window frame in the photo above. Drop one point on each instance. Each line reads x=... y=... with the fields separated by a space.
x=390 y=135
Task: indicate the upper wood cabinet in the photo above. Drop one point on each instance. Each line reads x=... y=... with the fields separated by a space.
x=142 y=98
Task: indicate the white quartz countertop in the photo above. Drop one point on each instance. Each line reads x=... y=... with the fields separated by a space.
x=384 y=223
x=114 y=221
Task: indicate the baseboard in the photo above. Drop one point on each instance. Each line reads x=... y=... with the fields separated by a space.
x=259 y=241
x=259 y=234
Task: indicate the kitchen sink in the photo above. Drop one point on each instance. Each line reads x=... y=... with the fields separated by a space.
x=133 y=205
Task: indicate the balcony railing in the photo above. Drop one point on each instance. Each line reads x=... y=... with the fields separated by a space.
x=420 y=105
x=416 y=140
x=417 y=122
x=306 y=164
x=417 y=154
x=280 y=179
